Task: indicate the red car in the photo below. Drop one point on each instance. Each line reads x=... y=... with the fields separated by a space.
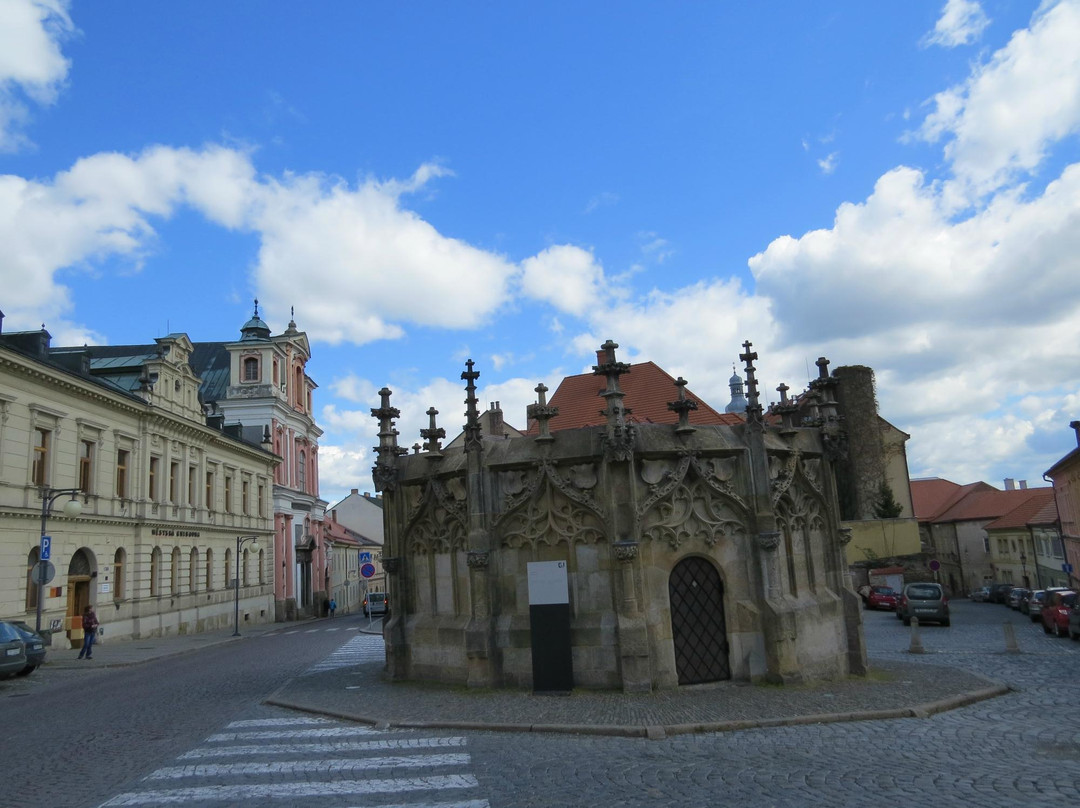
x=881 y=597
x=1055 y=612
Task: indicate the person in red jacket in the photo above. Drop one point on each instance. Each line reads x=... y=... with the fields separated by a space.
x=90 y=626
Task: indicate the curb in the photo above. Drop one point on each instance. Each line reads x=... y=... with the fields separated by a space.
x=656 y=732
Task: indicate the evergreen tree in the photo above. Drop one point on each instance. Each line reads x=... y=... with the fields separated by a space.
x=886 y=506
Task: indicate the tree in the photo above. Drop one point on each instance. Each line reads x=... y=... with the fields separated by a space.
x=886 y=506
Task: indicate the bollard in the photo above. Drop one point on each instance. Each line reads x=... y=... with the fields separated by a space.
x=916 y=643
x=1010 y=639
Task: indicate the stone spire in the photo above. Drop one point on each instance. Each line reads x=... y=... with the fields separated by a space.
x=292 y=322
x=682 y=407
x=473 y=430
x=753 y=407
x=542 y=412
x=384 y=473
x=619 y=440
x=432 y=435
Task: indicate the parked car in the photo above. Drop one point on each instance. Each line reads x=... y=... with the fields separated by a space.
x=925 y=601
x=35 y=647
x=881 y=597
x=12 y=650
x=1017 y=593
x=999 y=593
x=1032 y=605
x=376 y=603
x=980 y=595
x=1055 y=613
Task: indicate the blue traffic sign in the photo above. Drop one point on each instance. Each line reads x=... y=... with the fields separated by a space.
x=365 y=556
x=1064 y=567
x=46 y=547
x=367 y=570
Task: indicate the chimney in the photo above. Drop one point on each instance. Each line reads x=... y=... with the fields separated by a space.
x=1076 y=428
x=1023 y=485
x=355 y=491
x=1010 y=484
x=495 y=420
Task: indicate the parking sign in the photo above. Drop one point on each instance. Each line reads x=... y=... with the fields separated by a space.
x=46 y=547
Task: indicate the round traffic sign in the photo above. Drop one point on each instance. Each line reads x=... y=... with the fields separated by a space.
x=367 y=570
x=935 y=565
x=42 y=572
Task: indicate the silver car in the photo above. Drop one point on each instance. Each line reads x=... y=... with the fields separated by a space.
x=925 y=601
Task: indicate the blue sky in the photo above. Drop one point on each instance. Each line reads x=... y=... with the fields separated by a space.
x=888 y=184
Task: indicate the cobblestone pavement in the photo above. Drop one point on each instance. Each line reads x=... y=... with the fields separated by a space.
x=1018 y=749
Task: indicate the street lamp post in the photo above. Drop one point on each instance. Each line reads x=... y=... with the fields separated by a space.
x=240 y=542
x=72 y=508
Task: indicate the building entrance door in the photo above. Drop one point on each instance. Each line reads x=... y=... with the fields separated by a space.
x=697 y=622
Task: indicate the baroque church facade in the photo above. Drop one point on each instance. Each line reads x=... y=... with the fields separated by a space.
x=695 y=551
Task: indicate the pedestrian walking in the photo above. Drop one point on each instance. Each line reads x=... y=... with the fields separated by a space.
x=333 y=606
x=90 y=627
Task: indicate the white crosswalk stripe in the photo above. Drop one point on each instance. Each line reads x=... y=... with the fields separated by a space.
x=360 y=649
x=315 y=769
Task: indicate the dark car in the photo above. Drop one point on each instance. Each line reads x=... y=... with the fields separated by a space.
x=1055 y=613
x=881 y=597
x=12 y=650
x=1074 y=622
x=35 y=647
x=1017 y=594
x=376 y=603
x=999 y=593
x=924 y=601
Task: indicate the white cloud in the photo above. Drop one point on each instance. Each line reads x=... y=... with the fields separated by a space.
x=828 y=164
x=341 y=469
x=961 y=23
x=1001 y=122
x=602 y=199
x=565 y=276
x=32 y=66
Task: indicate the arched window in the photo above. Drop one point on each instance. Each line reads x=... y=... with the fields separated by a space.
x=301 y=470
x=155 y=572
x=251 y=369
x=174 y=572
x=31 y=586
x=193 y=565
x=209 y=569
x=298 y=389
x=119 y=557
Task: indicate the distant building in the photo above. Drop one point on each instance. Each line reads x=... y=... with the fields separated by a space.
x=360 y=517
x=1066 y=478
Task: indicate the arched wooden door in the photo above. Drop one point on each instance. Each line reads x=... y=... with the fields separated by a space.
x=697 y=622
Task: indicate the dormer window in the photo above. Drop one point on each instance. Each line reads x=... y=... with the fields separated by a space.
x=251 y=369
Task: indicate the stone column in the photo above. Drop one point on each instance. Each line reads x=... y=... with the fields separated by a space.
x=634 y=658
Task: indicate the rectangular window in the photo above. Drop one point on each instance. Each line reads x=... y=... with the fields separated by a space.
x=192 y=476
x=86 y=464
x=251 y=369
x=245 y=491
x=210 y=490
x=262 y=500
x=39 y=472
x=228 y=494
x=174 y=482
x=122 y=456
x=153 y=492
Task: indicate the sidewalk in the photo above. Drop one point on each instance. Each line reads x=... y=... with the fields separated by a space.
x=118 y=653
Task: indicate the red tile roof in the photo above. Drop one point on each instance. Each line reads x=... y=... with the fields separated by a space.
x=648 y=389
x=990 y=504
x=1039 y=509
x=934 y=495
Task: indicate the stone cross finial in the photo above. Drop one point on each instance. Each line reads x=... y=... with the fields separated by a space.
x=383 y=471
x=823 y=367
x=682 y=406
x=542 y=412
x=782 y=390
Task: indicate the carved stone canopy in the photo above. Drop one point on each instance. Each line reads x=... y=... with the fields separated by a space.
x=625 y=550
x=477 y=559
